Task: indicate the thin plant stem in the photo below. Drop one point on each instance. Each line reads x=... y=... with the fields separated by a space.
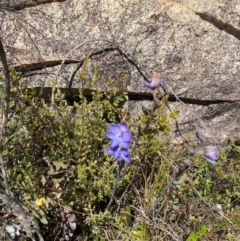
x=6 y=96
x=124 y=173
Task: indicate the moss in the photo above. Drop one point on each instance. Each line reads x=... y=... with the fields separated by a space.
x=195 y=235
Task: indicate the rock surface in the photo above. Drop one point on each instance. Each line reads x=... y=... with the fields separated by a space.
x=195 y=45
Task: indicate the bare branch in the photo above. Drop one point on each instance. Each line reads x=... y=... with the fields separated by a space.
x=5 y=95
x=6 y=89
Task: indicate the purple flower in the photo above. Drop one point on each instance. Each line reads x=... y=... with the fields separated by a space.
x=120 y=137
x=119 y=134
x=119 y=153
x=210 y=153
x=155 y=82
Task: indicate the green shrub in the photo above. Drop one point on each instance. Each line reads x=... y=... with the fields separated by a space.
x=55 y=157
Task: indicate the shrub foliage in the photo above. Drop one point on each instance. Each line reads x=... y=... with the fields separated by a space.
x=57 y=166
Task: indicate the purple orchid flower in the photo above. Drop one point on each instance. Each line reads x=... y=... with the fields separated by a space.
x=210 y=153
x=155 y=82
x=119 y=153
x=121 y=138
x=119 y=134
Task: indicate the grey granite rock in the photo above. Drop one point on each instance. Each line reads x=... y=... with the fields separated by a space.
x=193 y=44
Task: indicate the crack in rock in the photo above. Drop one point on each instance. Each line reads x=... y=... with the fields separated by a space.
x=226 y=27
x=72 y=94
x=199 y=101
x=21 y=4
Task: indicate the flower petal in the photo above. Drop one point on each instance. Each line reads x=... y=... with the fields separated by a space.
x=125 y=155
x=126 y=136
x=155 y=82
x=210 y=153
x=124 y=145
x=147 y=85
x=210 y=159
x=109 y=150
x=123 y=126
x=114 y=128
x=110 y=135
x=116 y=154
x=115 y=142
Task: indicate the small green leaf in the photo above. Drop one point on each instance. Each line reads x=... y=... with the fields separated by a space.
x=44 y=220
